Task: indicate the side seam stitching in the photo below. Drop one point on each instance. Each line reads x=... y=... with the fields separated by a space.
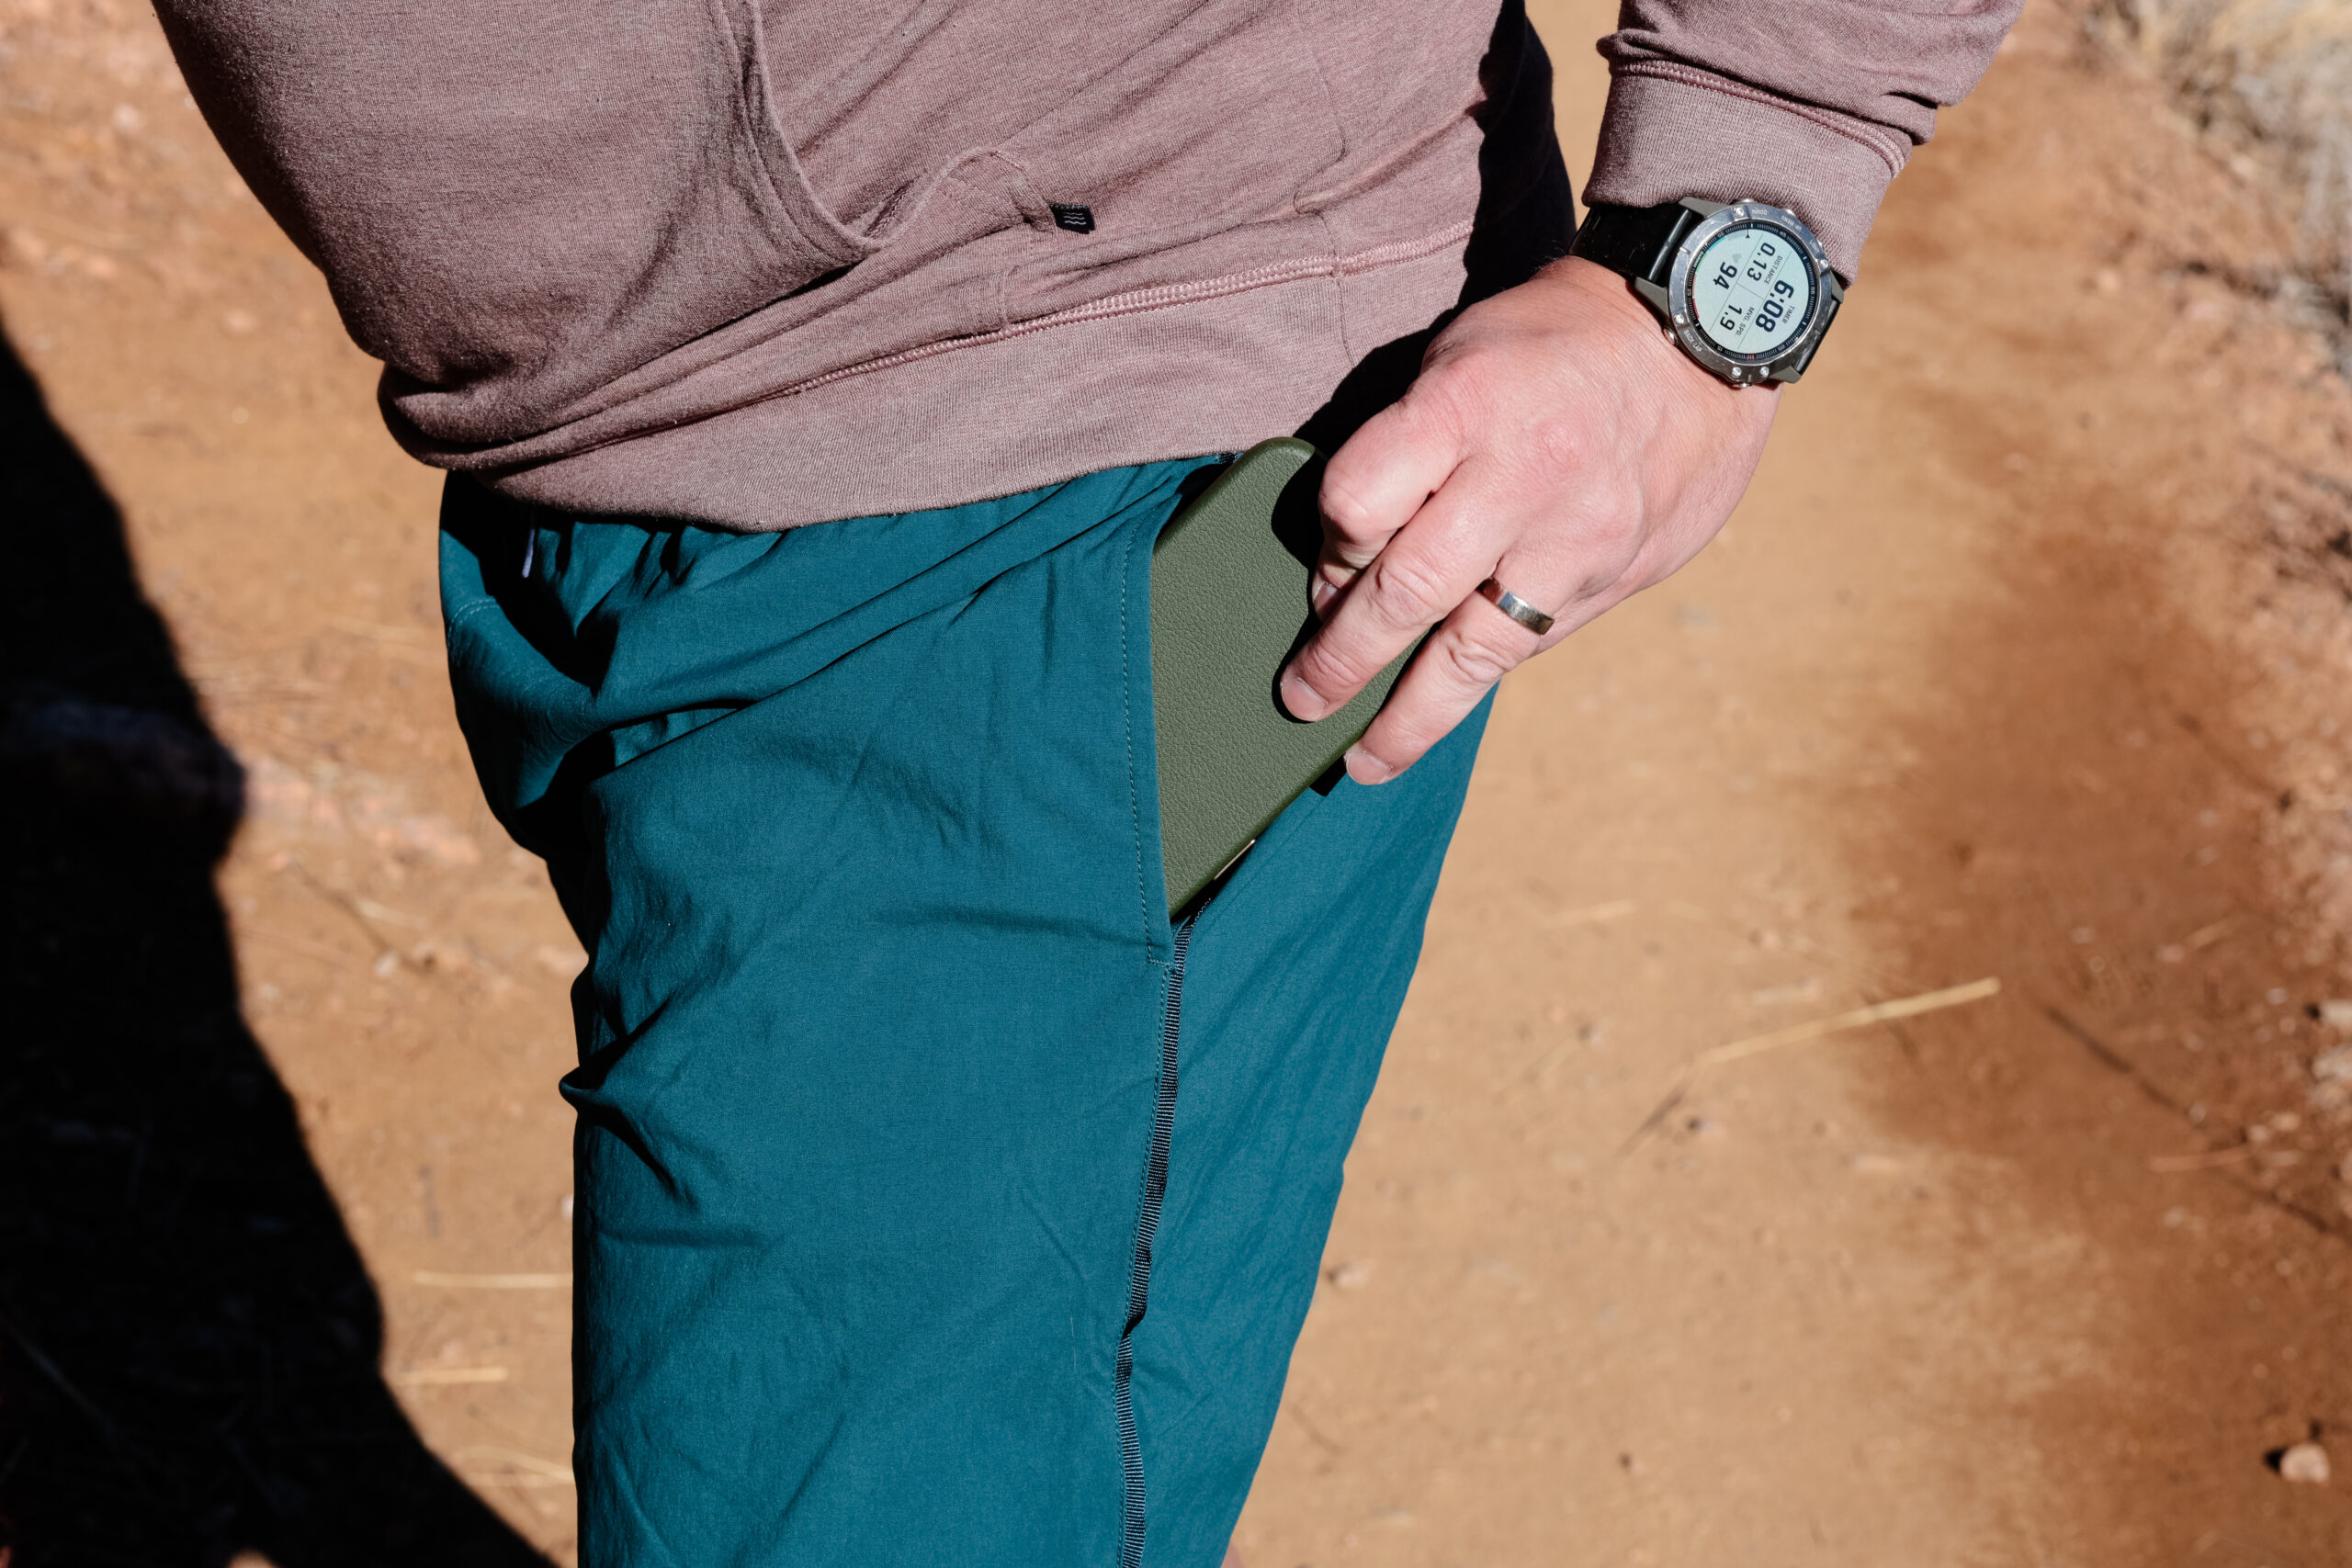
x=1155 y=1190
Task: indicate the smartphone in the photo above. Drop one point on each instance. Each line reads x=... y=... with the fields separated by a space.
x=1229 y=605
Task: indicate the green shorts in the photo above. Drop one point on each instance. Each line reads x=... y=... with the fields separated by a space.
x=938 y=1201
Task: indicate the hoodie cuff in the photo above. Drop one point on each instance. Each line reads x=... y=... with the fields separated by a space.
x=1673 y=131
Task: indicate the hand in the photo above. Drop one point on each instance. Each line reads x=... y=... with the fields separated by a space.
x=1554 y=441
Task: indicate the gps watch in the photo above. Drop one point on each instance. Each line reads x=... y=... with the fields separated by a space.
x=1744 y=289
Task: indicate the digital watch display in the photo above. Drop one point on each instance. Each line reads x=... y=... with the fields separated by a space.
x=1750 y=291
x=1744 y=288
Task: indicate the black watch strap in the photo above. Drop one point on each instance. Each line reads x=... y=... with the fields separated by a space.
x=1636 y=242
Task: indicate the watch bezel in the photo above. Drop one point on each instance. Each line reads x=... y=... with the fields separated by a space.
x=1684 y=323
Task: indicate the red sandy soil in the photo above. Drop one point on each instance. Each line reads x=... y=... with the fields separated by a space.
x=2026 y=659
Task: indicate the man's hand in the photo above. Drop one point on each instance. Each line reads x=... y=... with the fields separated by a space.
x=1554 y=441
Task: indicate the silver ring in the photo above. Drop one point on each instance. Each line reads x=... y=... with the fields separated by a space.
x=1516 y=608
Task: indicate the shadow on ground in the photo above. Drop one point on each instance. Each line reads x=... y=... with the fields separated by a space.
x=188 y=1340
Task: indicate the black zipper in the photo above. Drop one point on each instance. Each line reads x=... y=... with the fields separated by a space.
x=1155 y=1187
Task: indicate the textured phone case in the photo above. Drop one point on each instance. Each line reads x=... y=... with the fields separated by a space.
x=1229 y=607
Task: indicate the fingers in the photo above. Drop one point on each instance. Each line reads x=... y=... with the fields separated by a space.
x=1591 y=557
x=1424 y=570
x=1476 y=646
x=1553 y=441
x=1381 y=476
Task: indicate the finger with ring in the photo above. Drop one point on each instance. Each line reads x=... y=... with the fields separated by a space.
x=1516 y=608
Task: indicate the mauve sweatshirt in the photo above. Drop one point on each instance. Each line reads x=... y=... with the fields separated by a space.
x=764 y=263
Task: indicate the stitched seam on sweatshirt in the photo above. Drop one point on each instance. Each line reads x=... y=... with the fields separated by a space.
x=1339 y=297
x=1894 y=157
x=1136 y=302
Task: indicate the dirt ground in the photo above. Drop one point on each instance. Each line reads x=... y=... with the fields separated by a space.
x=2026 y=660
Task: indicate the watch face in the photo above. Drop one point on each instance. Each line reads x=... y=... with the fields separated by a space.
x=1751 y=290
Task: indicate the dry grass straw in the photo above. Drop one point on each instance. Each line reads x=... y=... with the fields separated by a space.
x=1861 y=1018
x=1803 y=1033
x=2203 y=1159
x=435 y=1279
x=445 y=1377
x=2276 y=76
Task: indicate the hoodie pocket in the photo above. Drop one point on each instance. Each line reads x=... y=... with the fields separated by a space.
x=792 y=202
x=1190 y=158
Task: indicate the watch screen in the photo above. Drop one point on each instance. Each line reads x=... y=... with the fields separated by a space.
x=1750 y=290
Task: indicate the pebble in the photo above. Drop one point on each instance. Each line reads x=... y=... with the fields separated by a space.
x=2336 y=1014
x=1351 y=1276
x=2306 y=1462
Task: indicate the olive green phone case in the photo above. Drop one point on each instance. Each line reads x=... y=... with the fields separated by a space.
x=1229 y=607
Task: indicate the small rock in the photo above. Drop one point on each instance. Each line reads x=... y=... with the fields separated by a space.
x=2337 y=1014
x=434 y=955
x=2333 y=1065
x=1351 y=1276
x=2306 y=1462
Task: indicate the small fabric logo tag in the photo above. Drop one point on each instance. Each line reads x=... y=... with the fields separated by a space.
x=1077 y=220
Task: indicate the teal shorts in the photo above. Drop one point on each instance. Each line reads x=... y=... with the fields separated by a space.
x=939 y=1200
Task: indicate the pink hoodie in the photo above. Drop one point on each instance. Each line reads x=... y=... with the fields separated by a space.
x=764 y=263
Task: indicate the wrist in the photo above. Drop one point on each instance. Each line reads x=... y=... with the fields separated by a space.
x=1600 y=298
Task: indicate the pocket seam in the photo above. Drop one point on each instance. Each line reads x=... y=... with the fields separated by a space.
x=1305 y=36
x=804 y=214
